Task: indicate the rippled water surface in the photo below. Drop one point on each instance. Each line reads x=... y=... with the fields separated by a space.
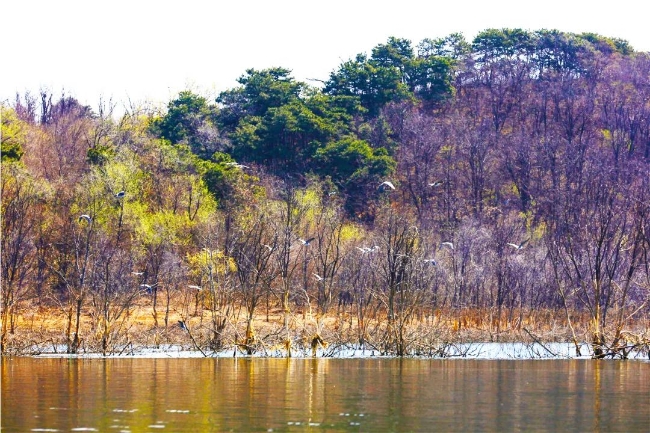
x=246 y=395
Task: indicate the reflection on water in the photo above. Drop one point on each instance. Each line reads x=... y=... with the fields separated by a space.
x=174 y=395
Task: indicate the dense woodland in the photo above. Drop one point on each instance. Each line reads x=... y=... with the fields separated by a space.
x=501 y=185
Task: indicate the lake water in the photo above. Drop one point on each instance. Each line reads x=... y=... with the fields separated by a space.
x=369 y=395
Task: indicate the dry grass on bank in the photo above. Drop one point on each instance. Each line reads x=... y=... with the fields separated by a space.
x=43 y=330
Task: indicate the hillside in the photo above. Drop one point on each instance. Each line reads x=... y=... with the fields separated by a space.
x=504 y=180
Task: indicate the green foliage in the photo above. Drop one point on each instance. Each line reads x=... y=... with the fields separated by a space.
x=496 y=43
x=160 y=227
x=229 y=183
x=453 y=47
x=218 y=179
x=545 y=48
x=13 y=135
x=190 y=120
x=284 y=130
x=100 y=154
x=342 y=159
x=607 y=45
x=557 y=51
x=394 y=73
x=430 y=78
x=354 y=160
x=205 y=262
x=356 y=167
x=352 y=232
x=270 y=122
x=122 y=173
x=246 y=139
x=396 y=52
x=374 y=84
x=338 y=111
x=259 y=91
x=291 y=133
x=11 y=151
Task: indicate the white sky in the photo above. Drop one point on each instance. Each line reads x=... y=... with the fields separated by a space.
x=147 y=51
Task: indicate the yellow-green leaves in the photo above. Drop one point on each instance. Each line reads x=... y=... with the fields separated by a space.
x=207 y=262
x=13 y=134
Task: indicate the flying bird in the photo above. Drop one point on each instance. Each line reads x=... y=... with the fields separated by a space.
x=137 y=273
x=448 y=244
x=236 y=164
x=368 y=249
x=520 y=246
x=432 y=261
x=85 y=217
x=148 y=287
x=120 y=194
x=436 y=183
x=318 y=277
x=181 y=324
x=192 y=286
x=388 y=184
x=268 y=247
x=306 y=242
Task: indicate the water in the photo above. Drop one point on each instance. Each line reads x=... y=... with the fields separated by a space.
x=247 y=395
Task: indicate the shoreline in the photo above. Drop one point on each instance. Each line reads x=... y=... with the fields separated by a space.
x=488 y=351
x=439 y=334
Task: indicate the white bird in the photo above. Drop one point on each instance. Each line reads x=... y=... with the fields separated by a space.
x=368 y=249
x=148 y=287
x=137 y=273
x=318 y=277
x=432 y=261
x=236 y=164
x=436 y=183
x=448 y=244
x=120 y=194
x=268 y=247
x=520 y=246
x=388 y=184
x=306 y=242
x=192 y=286
x=85 y=217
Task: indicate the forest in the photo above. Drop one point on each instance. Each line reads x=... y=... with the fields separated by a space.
x=422 y=195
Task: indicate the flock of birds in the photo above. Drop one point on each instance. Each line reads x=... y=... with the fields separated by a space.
x=383 y=185
x=305 y=242
x=388 y=184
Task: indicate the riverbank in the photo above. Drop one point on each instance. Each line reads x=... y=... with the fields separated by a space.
x=475 y=351
x=470 y=333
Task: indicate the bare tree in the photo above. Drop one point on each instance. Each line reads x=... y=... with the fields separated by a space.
x=253 y=252
x=398 y=292
x=22 y=203
x=598 y=254
x=328 y=259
